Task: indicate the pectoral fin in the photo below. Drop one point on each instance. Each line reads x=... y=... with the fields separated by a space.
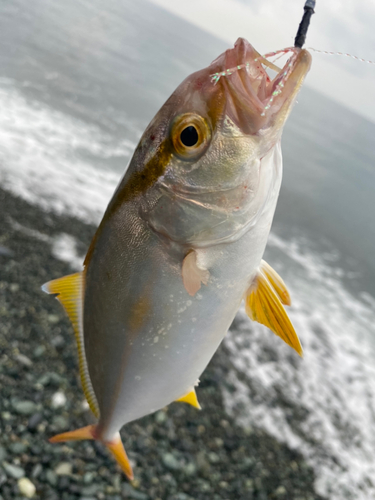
x=277 y=283
x=69 y=292
x=192 y=275
x=264 y=304
x=191 y=399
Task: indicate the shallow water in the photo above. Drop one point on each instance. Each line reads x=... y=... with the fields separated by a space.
x=79 y=81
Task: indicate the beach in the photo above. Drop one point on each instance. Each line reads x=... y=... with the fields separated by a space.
x=179 y=453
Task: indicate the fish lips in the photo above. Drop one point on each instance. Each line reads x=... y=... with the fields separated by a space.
x=253 y=99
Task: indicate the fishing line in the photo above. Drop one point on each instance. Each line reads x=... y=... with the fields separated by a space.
x=329 y=53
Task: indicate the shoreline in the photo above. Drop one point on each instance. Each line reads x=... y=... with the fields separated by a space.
x=178 y=453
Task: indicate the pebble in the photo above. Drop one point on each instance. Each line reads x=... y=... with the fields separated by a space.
x=24 y=360
x=58 y=341
x=63 y=469
x=91 y=490
x=14 y=287
x=3 y=478
x=26 y=487
x=129 y=492
x=219 y=442
x=24 y=407
x=50 y=378
x=190 y=469
x=204 y=486
x=89 y=477
x=18 y=448
x=39 y=351
x=37 y=470
x=170 y=461
x=34 y=421
x=3 y=453
x=59 y=423
x=213 y=457
x=58 y=400
x=5 y=251
x=160 y=417
x=51 y=477
x=280 y=491
x=180 y=496
x=13 y=470
x=249 y=484
x=53 y=318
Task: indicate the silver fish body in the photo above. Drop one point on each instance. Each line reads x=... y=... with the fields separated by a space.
x=181 y=243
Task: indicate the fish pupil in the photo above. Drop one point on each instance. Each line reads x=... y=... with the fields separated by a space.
x=189 y=136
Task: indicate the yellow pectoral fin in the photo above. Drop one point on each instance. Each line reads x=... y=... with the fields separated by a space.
x=263 y=305
x=277 y=282
x=69 y=292
x=191 y=399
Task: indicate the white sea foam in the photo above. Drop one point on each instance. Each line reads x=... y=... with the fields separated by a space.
x=322 y=405
x=64 y=247
x=43 y=157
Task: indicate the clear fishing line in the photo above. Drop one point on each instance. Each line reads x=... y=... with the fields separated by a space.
x=345 y=54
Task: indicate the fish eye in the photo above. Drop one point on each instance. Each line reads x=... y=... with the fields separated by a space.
x=190 y=136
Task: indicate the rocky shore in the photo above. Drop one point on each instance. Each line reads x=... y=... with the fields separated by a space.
x=178 y=453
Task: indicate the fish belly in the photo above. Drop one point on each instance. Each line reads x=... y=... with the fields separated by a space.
x=146 y=339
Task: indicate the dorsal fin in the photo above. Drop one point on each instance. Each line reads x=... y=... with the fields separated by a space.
x=263 y=304
x=190 y=398
x=69 y=292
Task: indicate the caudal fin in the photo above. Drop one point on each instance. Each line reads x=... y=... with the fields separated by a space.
x=116 y=447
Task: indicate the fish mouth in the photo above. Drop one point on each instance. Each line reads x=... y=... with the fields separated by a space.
x=254 y=99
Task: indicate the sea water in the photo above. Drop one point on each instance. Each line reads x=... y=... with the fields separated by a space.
x=79 y=81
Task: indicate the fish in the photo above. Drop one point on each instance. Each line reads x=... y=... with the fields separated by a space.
x=181 y=244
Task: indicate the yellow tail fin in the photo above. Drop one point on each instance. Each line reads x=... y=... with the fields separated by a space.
x=116 y=447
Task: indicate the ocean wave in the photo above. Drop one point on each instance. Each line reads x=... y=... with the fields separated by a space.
x=322 y=405
x=46 y=157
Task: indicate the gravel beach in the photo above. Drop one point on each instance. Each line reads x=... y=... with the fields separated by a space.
x=178 y=453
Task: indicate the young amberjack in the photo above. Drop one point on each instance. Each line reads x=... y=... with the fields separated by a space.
x=181 y=244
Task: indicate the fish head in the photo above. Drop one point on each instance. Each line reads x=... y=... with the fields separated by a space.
x=201 y=155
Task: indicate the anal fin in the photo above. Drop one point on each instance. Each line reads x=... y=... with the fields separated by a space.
x=191 y=399
x=264 y=304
